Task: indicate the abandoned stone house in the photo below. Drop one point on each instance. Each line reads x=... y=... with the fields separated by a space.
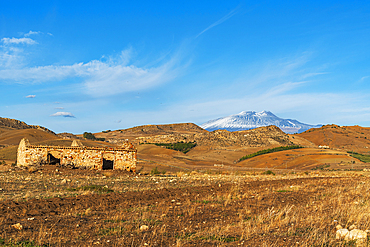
x=77 y=155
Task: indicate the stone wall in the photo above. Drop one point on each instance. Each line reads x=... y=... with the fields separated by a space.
x=121 y=158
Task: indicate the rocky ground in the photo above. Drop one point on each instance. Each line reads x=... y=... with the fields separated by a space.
x=62 y=207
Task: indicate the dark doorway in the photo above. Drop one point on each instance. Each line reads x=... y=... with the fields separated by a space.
x=107 y=164
x=52 y=160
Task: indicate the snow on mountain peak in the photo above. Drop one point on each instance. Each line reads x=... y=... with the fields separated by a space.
x=250 y=119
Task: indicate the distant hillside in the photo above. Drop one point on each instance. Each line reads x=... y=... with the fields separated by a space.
x=16 y=124
x=349 y=138
x=164 y=129
x=250 y=120
x=259 y=137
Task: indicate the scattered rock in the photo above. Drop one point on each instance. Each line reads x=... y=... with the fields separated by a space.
x=352 y=227
x=64 y=181
x=88 y=211
x=17 y=226
x=32 y=169
x=341 y=233
x=356 y=234
x=144 y=228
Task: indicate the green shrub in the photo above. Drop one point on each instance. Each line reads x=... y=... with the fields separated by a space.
x=91 y=136
x=178 y=146
x=268 y=172
x=93 y=187
x=270 y=150
x=362 y=157
x=155 y=171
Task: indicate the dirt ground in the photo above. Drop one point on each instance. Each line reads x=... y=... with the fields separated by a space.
x=63 y=207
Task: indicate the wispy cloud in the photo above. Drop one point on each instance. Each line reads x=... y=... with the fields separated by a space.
x=30 y=96
x=27 y=41
x=59 y=108
x=31 y=33
x=363 y=78
x=223 y=19
x=100 y=78
x=62 y=114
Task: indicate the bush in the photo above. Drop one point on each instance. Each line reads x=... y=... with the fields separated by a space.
x=362 y=157
x=89 y=135
x=268 y=172
x=270 y=150
x=155 y=171
x=178 y=146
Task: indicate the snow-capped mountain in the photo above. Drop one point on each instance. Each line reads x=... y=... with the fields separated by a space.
x=251 y=119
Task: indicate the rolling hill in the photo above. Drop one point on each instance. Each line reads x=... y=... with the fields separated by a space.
x=215 y=149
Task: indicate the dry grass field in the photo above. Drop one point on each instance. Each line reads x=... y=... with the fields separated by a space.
x=204 y=197
x=63 y=207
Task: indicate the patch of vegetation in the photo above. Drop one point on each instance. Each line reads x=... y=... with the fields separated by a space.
x=225 y=239
x=178 y=146
x=283 y=191
x=155 y=171
x=90 y=136
x=111 y=231
x=96 y=188
x=203 y=201
x=322 y=167
x=24 y=243
x=106 y=131
x=362 y=157
x=268 y=172
x=270 y=150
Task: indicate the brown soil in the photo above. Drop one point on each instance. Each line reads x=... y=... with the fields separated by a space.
x=346 y=138
x=187 y=215
x=305 y=159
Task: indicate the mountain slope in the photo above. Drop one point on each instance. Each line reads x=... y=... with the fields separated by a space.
x=16 y=124
x=250 y=120
x=12 y=131
x=348 y=138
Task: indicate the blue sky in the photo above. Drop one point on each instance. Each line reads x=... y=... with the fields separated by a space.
x=75 y=66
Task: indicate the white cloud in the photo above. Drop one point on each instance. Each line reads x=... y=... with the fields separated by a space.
x=112 y=79
x=100 y=78
x=59 y=108
x=31 y=33
x=27 y=41
x=62 y=114
x=311 y=108
x=30 y=96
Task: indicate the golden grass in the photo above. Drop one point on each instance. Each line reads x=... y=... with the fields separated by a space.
x=284 y=213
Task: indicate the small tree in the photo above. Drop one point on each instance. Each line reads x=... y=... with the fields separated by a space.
x=89 y=135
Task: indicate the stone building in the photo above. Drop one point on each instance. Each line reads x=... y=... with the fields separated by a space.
x=98 y=158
